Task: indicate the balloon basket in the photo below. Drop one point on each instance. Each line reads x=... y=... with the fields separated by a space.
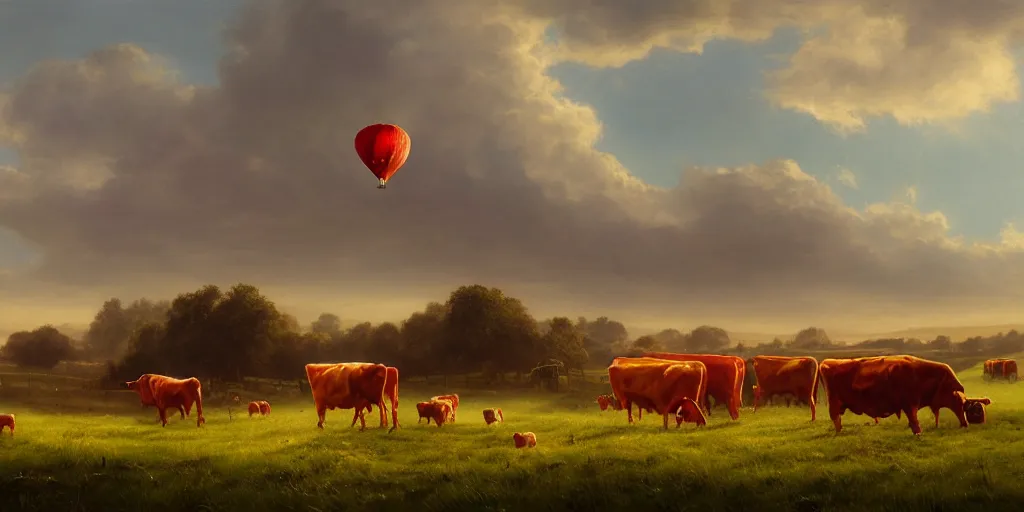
x=382 y=185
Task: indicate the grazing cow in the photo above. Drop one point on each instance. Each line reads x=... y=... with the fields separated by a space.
x=725 y=376
x=254 y=408
x=391 y=392
x=170 y=393
x=786 y=375
x=1009 y=370
x=606 y=401
x=974 y=410
x=7 y=420
x=141 y=386
x=885 y=385
x=454 y=399
x=438 y=410
x=347 y=386
x=489 y=415
x=264 y=407
x=525 y=440
x=660 y=385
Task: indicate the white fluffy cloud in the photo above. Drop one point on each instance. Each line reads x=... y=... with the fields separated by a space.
x=133 y=183
x=847 y=178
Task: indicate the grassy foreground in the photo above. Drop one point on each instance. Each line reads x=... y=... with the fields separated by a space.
x=585 y=460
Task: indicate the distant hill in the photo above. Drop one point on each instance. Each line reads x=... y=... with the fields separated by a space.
x=956 y=333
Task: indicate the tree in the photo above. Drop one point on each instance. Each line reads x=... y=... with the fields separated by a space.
x=422 y=335
x=811 y=338
x=601 y=337
x=327 y=323
x=564 y=342
x=44 y=348
x=707 y=339
x=941 y=342
x=113 y=326
x=644 y=344
x=672 y=340
x=485 y=327
x=385 y=345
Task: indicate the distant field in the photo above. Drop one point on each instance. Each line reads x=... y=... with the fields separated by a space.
x=586 y=460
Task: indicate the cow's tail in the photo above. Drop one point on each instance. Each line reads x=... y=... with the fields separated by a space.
x=817 y=379
x=501 y=417
x=198 y=388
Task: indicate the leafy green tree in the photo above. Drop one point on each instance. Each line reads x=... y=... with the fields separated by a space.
x=485 y=327
x=707 y=339
x=564 y=342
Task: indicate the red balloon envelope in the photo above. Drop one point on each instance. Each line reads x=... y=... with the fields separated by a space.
x=383 y=148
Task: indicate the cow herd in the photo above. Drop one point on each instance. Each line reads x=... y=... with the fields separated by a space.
x=657 y=382
x=880 y=386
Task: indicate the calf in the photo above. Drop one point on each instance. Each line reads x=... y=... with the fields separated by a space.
x=489 y=415
x=454 y=399
x=438 y=410
x=525 y=440
x=7 y=420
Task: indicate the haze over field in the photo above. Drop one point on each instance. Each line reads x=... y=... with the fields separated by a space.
x=853 y=165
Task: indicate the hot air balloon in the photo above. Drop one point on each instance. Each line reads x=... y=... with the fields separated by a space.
x=383 y=148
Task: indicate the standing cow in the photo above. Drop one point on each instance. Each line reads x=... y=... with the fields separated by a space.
x=667 y=387
x=170 y=393
x=786 y=375
x=725 y=378
x=347 y=386
x=886 y=385
x=391 y=392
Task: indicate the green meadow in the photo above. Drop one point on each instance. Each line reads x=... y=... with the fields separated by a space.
x=97 y=451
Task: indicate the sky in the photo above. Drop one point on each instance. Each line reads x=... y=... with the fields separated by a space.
x=760 y=165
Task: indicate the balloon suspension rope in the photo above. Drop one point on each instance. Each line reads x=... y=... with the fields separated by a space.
x=383 y=184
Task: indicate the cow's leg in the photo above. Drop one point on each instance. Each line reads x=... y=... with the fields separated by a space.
x=383 y=410
x=163 y=414
x=665 y=417
x=362 y=423
x=835 y=411
x=355 y=416
x=915 y=425
x=935 y=411
x=814 y=408
x=321 y=413
x=182 y=410
x=629 y=411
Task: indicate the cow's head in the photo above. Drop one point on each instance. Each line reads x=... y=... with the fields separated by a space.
x=132 y=385
x=974 y=410
x=689 y=412
x=603 y=402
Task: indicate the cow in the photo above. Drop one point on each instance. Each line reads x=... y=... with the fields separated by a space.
x=391 y=392
x=141 y=386
x=974 y=410
x=347 y=386
x=438 y=410
x=493 y=415
x=786 y=375
x=885 y=385
x=7 y=420
x=454 y=399
x=264 y=407
x=525 y=440
x=725 y=378
x=661 y=385
x=1010 y=369
x=254 y=408
x=606 y=401
x=170 y=393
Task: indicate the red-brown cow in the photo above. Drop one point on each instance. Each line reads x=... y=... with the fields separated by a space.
x=781 y=375
x=454 y=399
x=662 y=385
x=170 y=393
x=254 y=408
x=886 y=385
x=493 y=415
x=524 y=440
x=1010 y=369
x=347 y=386
x=7 y=420
x=974 y=410
x=390 y=391
x=264 y=407
x=438 y=410
x=725 y=378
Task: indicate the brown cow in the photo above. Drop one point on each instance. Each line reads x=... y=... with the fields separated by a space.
x=489 y=415
x=974 y=409
x=524 y=440
x=606 y=401
x=781 y=375
x=725 y=378
x=1010 y=369
x=885 y=385
x=454 y=399
x=254 y=408
x=264 y=407
x=170 y=393
x=390 y=391
x=661 y=385
x=438 y=410
x=141 y=387
x=7 y=420
x=347 y=386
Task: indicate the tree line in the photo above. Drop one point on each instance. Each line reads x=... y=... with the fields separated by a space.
x=239 y=332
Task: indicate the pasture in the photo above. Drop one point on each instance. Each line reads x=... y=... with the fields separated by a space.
x=89 y=451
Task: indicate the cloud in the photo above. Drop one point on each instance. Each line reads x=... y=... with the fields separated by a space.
x=915 y=60
x=847 y=178
x=138 y=184
x=911 y=194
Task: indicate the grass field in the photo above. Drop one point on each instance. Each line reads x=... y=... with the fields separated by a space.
x=585 y=460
